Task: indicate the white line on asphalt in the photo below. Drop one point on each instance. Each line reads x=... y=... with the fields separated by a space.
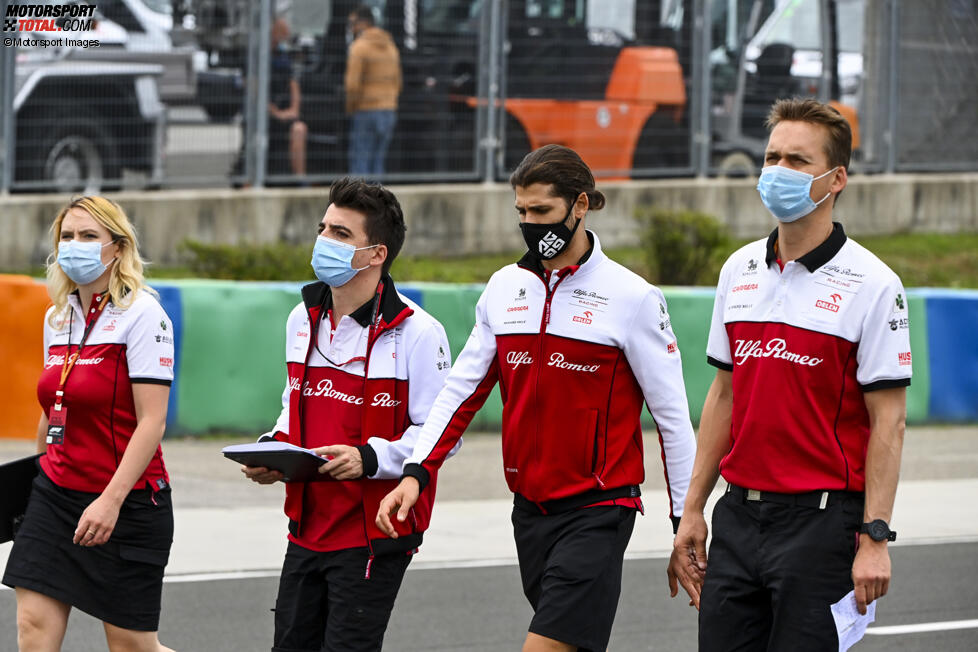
x=923 y=627
x=221 y=575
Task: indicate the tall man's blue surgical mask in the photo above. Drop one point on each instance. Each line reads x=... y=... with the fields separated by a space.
x=82 y=261
x=332 y=261
x=787 y=192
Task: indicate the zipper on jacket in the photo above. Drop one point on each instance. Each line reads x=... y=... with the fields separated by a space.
x=544 y=321
x=372 y=335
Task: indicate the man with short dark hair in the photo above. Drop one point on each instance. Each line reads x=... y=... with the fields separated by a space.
x=373 y=84
x=579 y=345
x=364 y=366
x=805 y=417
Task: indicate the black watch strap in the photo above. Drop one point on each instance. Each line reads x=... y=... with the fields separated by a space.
x=878 y=530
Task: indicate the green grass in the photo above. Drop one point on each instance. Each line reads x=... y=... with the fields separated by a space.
x=929 y=260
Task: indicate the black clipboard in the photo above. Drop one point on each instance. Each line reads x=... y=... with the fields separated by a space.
x=296 y=464
x=16 y=479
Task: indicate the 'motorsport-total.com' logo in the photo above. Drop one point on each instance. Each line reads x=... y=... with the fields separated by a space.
x=49 y=18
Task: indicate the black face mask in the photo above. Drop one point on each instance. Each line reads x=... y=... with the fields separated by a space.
x=548 y=240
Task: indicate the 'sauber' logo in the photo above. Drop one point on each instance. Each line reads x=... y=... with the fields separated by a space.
x=49 y=18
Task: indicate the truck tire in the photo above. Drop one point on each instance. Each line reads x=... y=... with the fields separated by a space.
x=77 y=155
x=663 y=143
x=517 y=146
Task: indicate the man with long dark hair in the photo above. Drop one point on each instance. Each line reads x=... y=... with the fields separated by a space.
x=578 y=345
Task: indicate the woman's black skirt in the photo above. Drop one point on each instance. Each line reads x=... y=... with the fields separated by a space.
x=120 y=582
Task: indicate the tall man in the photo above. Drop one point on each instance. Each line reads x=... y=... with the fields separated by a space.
x=373 y=84
x=805 y=417
x=364 y=366
x=577 y=344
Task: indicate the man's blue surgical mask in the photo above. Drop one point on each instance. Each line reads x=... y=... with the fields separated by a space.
x=787 y=192
x=81 y=261
x=332 y=261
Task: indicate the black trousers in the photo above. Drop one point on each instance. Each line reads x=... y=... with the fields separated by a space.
x=327 y=604
x=772 y=573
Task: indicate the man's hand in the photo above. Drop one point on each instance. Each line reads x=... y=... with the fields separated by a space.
x=345 y=462
x=401 y=500
x=261 y=475
x=870 y=571
x=687 y=564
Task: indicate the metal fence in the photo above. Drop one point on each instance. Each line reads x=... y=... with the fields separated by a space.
x=184 y=93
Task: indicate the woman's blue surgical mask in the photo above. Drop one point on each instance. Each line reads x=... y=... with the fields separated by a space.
x=82 y=261
x=787 y=192
x=332 y=261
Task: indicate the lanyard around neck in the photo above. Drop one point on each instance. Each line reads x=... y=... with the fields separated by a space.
x=71 y=358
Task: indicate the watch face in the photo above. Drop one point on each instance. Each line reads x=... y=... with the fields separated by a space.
x=878 y=530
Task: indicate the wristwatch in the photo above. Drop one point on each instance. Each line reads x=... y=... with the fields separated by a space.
x=878 y=530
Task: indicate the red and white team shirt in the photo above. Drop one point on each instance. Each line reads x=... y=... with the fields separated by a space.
x=577 y=354
x=125 y=346
x=804 y=344
x=369 y=382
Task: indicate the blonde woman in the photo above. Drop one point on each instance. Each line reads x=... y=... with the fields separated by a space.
x=99 y=524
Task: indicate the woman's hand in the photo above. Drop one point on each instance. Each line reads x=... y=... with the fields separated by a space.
x=97 y=522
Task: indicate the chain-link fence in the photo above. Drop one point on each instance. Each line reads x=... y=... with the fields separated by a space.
x=182 y=93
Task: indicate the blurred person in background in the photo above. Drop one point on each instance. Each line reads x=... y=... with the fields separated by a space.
x=286 y=131
x=99 y=524
x=579 y=345
x=364 y=365
x=373 y=84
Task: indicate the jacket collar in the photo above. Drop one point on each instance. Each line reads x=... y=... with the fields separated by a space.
x=591 y=258
x=318 y=297
x=818 y=256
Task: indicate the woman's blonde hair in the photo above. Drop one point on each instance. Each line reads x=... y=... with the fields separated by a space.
x=126 y=273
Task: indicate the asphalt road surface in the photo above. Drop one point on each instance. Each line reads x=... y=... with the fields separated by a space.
x=483 y=610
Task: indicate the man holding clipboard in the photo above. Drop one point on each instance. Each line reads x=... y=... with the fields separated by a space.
x=364 y=366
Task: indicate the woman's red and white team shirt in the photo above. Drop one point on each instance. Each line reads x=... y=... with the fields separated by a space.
x=804 y=345
x=128 y=346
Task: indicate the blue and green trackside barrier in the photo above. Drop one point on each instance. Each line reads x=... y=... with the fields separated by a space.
x=230 y=347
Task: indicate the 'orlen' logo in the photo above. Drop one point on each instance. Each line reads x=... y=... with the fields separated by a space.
x=904 y=359
x=324 y=388
x=384 y=400
x=517 y=308
x=550 y=245
x=516 y=358
x=776 y=348
x=557 y=360
x=166 y=362
x=583 y=319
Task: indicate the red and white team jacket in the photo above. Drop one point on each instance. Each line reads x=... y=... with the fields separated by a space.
x=804 y=345
x=576 y=353
x=128 y=346
x=370 y=385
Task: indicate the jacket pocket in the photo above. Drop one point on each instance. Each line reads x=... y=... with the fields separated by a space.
x=152 y=556
x=590 y=422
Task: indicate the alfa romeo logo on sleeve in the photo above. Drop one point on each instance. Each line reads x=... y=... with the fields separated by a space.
x=550 y=245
